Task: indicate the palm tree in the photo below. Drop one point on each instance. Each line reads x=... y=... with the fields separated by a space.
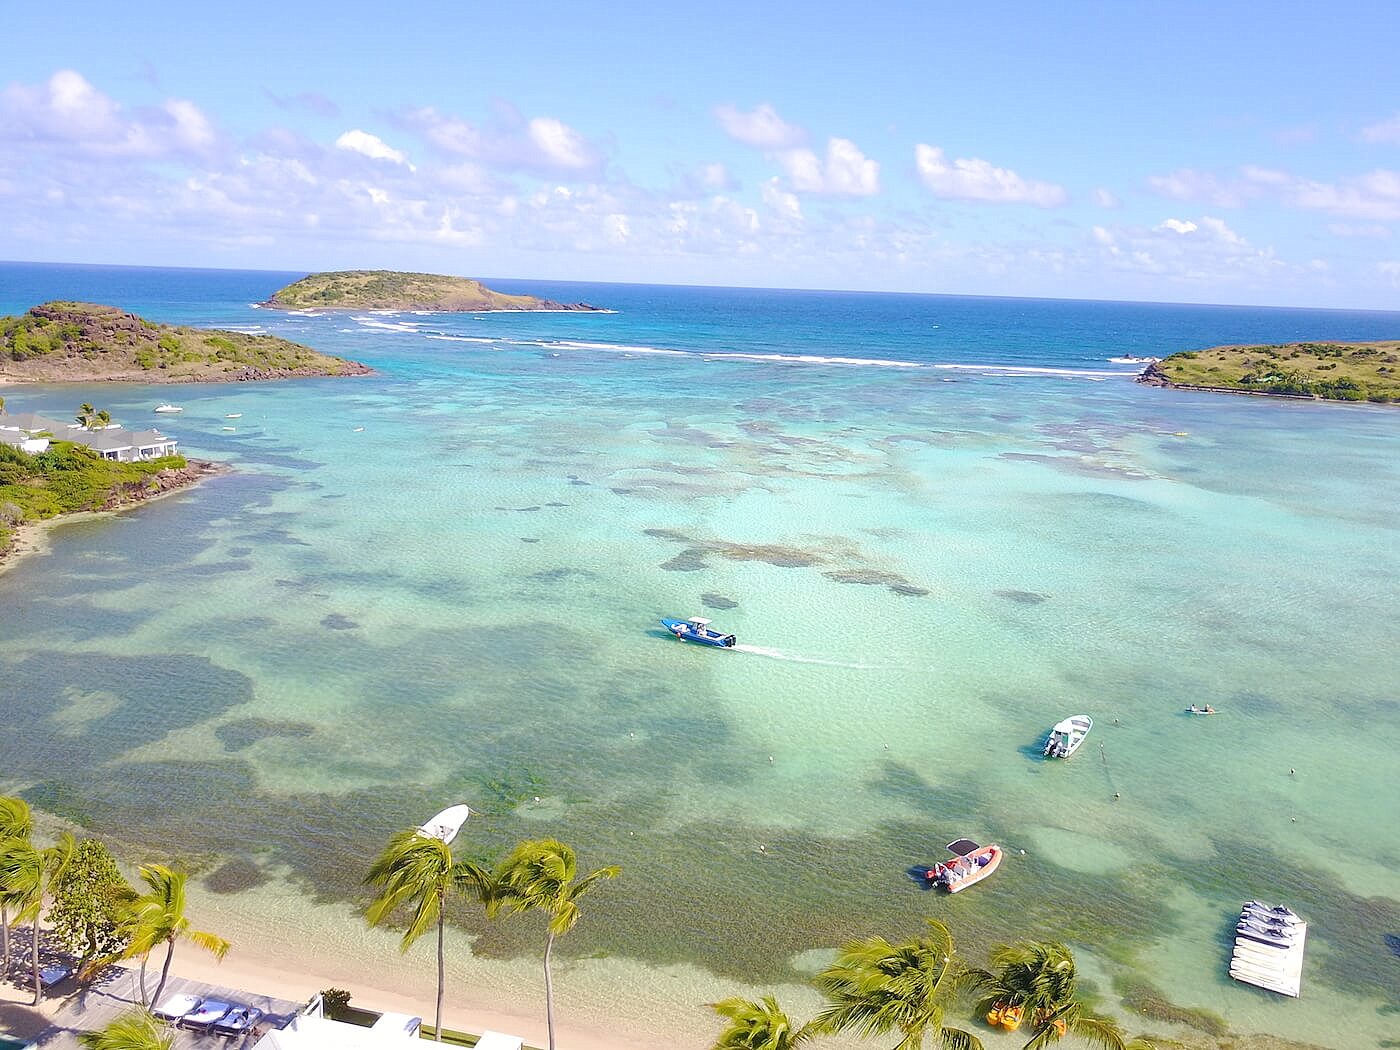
x=2 y=406
x=757 y=1025
x=159 y=916
x=16 y=822
x=542 y=875
x=1041 y=978
x=875 y=987
x=27 y=874
x=418 y=869
x=101 y=420
x=85 y=415
x=136 y=1030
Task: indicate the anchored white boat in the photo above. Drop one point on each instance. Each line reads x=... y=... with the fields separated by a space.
x=446 y=824
x=167 y=408
x=1067 y=735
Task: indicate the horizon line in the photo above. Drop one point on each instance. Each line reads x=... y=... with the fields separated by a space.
x=722 y=287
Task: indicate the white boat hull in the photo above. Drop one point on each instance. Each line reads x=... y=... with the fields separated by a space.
x=445 y=825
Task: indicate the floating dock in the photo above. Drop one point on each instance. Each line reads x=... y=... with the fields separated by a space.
x=1269 y=954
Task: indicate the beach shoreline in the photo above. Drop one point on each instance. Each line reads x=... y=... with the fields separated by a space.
x=32 y=537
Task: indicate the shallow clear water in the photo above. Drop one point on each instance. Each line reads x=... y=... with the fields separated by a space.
x=444 y=581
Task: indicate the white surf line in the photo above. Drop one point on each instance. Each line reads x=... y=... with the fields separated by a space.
x=994 y=370
x=774 y=654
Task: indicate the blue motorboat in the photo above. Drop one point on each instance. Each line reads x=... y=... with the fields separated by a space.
x=697 y=629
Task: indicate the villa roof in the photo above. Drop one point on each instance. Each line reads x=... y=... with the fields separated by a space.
x=102 y=440
x=31 y=422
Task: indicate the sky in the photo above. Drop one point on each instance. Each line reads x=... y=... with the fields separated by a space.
x=1220 y=152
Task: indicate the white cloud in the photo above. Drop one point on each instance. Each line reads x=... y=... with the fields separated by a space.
x=761 y=127
x=540 y=144
x=1188 y=184
x=978 y=180
x=715 y=177
x=1385 y=131
x=372 y=146
x=1201 y=251
x=845 y=172
x=561 y=145
x=781 y=203
x=66 y=111
x=1106 y=198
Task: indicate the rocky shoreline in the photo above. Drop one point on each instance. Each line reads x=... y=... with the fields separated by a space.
x=28 y=537
x=1153 y=375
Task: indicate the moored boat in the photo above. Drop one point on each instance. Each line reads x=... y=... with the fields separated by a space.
x=445 y=825
x=168 y=408
x=1194 y=710
x=971 y=864
x=1067 y=735
x=697 y=629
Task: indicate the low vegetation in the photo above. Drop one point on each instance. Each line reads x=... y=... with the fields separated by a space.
x=1332 y=371
x=70 y=342
x=68 y=478
x=394 y=290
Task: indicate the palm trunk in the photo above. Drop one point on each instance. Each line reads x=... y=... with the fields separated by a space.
x=5 y=941
x=164 y=970
x=549 y=989
x=34 y=961
x=437 y=1021
x=145 y=1000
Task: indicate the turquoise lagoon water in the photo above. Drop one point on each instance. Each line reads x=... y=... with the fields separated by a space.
x=443 y=582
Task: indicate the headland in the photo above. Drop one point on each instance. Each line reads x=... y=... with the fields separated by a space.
x=395 y=290
x=72 y=342
x=1315 y=371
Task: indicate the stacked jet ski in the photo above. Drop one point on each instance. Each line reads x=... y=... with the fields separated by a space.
x=1269 y=942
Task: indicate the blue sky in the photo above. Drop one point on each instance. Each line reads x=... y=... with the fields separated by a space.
x=1201 y=152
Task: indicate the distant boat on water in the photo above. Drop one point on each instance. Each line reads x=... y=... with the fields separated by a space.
x=1067 y=735
x=169 y=408
x=234 y=415
x=697 y=629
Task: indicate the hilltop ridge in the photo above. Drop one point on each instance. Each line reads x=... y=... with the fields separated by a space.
x=68 y=342
x=398 y=290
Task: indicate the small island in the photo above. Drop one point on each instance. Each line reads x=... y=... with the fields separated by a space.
x=70 y=342
x=1325 y=371
x=393 y=290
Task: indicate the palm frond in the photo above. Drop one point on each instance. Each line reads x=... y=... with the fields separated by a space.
x=16 y=818
x=957 y=1039
x=211 y=943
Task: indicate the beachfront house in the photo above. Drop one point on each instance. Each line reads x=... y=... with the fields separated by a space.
x=32 y=433
x=124 y=445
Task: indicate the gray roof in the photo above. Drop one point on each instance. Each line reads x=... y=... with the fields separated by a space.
x=150 y=437
x=31 y=422
x=102 y=440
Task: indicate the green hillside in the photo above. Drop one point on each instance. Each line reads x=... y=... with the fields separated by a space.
x=76 y=342
x=1332 y=371
x=393 y=290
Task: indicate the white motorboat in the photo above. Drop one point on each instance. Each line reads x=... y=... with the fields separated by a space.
x=1067 y=735
x=168 y=408
x=446 y=824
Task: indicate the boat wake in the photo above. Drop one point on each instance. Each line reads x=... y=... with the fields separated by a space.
x=774 y=654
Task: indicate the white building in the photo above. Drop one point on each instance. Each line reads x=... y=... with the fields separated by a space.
x=31 y=432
